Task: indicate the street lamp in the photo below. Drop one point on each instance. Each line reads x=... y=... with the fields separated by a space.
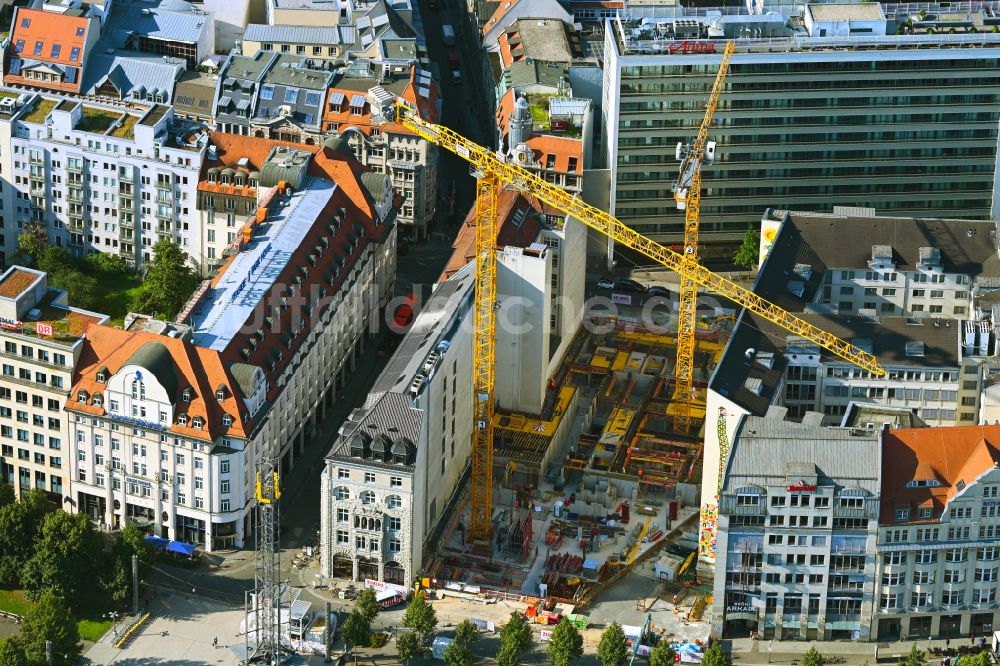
x=113 y=616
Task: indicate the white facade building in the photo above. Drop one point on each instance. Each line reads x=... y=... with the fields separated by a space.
x=393 y=473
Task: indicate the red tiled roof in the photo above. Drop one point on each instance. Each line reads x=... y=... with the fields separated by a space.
x=561 y=148
x=199 y=369
x=509 y=234
x=504 y=109
x=58 y=35
x=947 y=455
x=340 y=117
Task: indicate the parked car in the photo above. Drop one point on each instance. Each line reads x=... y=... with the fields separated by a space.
x=452 y=60
x=627 y=285
x=605 y=283
x=456 y=76
x=657 y=290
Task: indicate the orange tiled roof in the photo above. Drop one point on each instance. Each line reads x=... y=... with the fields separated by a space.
x=201 y=370
x=338 y=117
x=58 y=35
x=510 y=203
x=947 y=455
x=561 y=148
x=505 y=6
x=504 y=109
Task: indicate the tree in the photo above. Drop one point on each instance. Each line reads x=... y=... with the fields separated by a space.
x=915 y=658
x=408 y=645
x=749 y=252
x=459 y=651
x=67 y=561
x=662 y=654
x=113 y=264
x=67 y=273
x=168 y=284
x=812 y=658
x=507 y=656
x=355 y=630
x=981 y=659
x=516 y=634
x=613 y=648
x=130 y=541
x=49 y=619
x=33 y=240
x=6 y=494
x=716 y=656
x=565 y=645
x=367 y=605
x=420 y=616
x=20 y=524
x=466 y=633
x=12 y=652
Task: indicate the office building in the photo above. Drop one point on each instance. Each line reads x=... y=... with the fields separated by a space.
x=392 y=476
x=798 y=522
x=169 y=419
x=939 y=534
x=42 y=342
x=856 y=104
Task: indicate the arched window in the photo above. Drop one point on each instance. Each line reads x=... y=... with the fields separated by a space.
x=138 y=389
x=342 y=493
x=367 y=497
x=394 y=501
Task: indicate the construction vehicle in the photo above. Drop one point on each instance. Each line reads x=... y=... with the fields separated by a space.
x=491 y=170
x=687 y=193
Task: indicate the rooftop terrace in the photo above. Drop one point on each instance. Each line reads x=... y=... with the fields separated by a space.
x=250 y=275
x=43 y=107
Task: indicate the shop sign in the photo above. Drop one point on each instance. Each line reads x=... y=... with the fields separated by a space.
x=744 y=606
x=689 y=46
x=621 y=299
x=802 y=487
x=9 y=323
x=43 y=329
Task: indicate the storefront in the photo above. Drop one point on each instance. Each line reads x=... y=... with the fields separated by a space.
x=188 y=529
x=741 y=615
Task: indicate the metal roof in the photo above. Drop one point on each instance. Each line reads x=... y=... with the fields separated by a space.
x=132 y=71
x=336 y=99
x=568 y=106
x=169 y=20
x=300 y=34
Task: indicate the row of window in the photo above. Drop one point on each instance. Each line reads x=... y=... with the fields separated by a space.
x=394 y=481
x=892 y=601
x=951 y=576
x=362 y=542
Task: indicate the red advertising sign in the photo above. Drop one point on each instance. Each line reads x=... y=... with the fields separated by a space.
x=688 y=46
x=43 y=329
x=802 y=487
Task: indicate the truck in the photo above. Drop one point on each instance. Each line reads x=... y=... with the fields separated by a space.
x=448 y=33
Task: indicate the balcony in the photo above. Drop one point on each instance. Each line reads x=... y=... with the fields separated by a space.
x=75 y=197
x=729 y=507
x=126 y=224
x=126 y=204
x=164 y=216
x=77 y=224
x=36 y=159
x=164 y=228
x=126 y=176
x=74 y=167
x=37 y=190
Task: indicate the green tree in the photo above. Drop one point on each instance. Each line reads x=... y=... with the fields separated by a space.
x=749 y=252
x=20 y=524
x=915 y=658
x=662 y=654
x=112 y=264
x=168 y=284
x=12 y=652
x=566 y=644
x=466 y=633
x=812 y=658
x=67 y=561
x=67 y=273
x=408 y=645
x=459 y=651
x=355 y=630
x=420 y=616
x=507 y=656
x=6 y=494
x=130 y=541
x=367 y=605
x=49 y=619
x=33 y=240
x=613 y=648
x=981 y=659
x=716 y=656
x=515 y=636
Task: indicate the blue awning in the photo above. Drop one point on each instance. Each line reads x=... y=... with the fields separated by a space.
x=182 y=548
x=158 y=542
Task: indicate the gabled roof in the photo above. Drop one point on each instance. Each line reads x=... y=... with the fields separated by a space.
x=300 y=34
x=51 y=29
x=167 y=20
x=131 y=71
x=953 y=456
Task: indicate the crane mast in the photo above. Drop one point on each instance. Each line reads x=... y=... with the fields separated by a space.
x=491 y=171
x=687 y=192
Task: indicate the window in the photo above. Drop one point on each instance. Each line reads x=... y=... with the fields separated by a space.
x=922 y=599
x=342 y=536
x=343 y=515
x=888 y=600
x=395 y=523
x=922 y=578
x=395 y=481
x=369 y=477
x=291 y=94
x=225 y=505
x=266 y=92
x=367 y=497
x=342 y=493
x=986 y=575
x=224 y=467
x=312 y=98
x=894 y=558
x=343 y=473
x=394 y=501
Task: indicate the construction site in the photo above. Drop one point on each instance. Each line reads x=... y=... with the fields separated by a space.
x=600 y=482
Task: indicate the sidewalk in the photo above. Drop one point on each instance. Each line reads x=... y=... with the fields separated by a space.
x=746 y=651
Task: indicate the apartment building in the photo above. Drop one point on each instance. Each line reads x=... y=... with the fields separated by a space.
x=170 y=419
x=934 y=367
x=939 y=534
x=797 y=527
x=806 y=119
x=393 y=474
x=318 y=42
x=409 y=160
x=540 y=294
x=100 y=178
x=42 y=341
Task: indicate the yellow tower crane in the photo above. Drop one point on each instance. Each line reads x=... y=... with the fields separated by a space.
x=492 y=170
x=687 y=192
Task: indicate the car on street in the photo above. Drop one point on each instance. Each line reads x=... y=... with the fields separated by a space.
x=631 y=286
x=456 y=76
x=452 y=60
x=657 y=290
x=605 y=283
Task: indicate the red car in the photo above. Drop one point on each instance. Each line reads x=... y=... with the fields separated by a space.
x=453 y=60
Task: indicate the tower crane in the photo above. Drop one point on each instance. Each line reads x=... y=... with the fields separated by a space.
x=687 y=193
x=492 y=170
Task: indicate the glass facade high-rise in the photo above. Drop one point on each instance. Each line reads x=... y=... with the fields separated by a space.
x=902 y=123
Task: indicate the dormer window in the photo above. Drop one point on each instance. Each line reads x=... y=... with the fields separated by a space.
x=220 y=393
x=227 y=420
x=82 y=396
x=902 y=513
x=198 y=422
x=102 y=377
x=98 y=400
x=182 y=420
x=186 y=395
x=923 y=483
